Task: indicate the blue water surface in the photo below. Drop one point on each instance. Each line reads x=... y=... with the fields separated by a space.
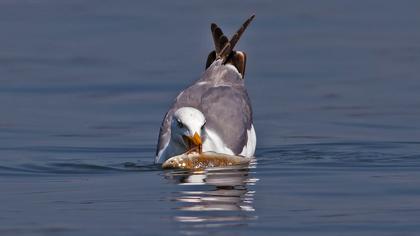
x=334 y=86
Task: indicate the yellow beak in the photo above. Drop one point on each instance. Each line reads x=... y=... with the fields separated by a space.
x=195 y=140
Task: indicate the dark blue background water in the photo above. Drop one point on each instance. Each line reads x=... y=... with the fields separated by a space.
x=335 y=90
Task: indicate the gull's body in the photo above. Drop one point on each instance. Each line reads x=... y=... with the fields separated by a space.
x=215 y=111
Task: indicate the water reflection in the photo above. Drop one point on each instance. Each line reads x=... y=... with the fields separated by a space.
x=213 y=198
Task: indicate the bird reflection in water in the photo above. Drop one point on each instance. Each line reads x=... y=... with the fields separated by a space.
x=216 y=197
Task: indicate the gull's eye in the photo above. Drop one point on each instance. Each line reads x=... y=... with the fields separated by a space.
x=180 y=125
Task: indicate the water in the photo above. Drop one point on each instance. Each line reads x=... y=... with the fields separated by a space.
x=335 y=90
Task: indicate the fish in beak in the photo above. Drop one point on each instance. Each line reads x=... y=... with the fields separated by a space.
x=194 y=143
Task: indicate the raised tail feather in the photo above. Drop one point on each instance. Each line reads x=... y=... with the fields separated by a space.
x=224 y=47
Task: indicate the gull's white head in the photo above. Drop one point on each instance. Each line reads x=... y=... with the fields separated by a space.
x=188 y=127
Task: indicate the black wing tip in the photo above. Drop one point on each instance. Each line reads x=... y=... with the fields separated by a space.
x=251 y=18
x=235 y=38
x=224 y=47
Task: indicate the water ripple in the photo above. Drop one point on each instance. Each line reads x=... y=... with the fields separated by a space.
x=356 y=154
x=75 y=168
x=375 y=154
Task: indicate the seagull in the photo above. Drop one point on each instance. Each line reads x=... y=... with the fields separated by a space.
x=214 y=114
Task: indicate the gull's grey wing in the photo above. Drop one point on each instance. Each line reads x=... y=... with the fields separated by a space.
x=164 y=132
x=228 y=112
